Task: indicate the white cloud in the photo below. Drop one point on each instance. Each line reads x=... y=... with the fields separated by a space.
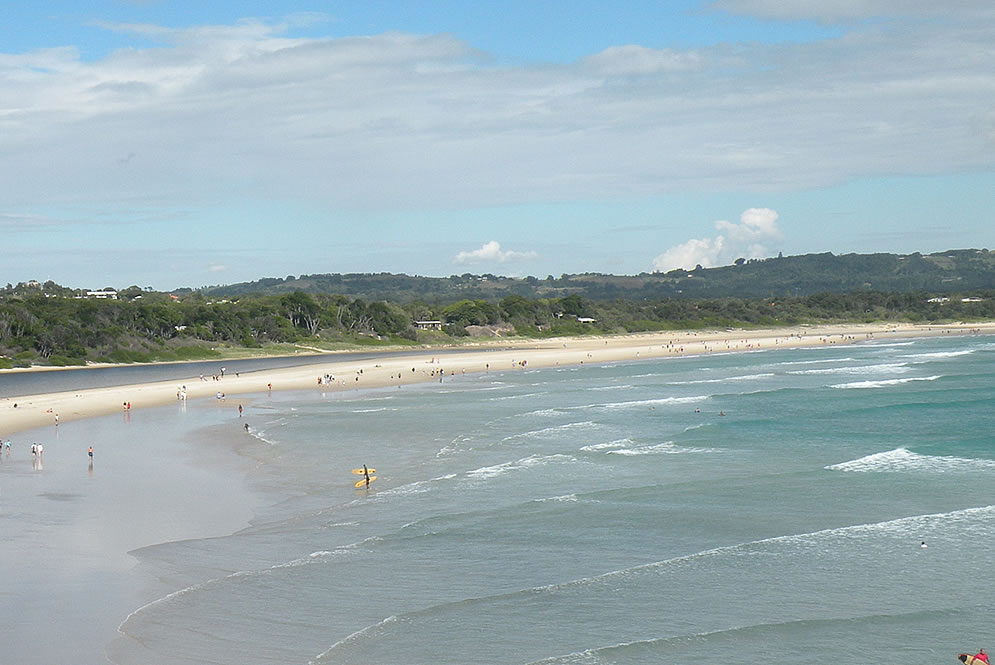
x=400 y=120
x=749 y=239
x=216 y=267
x=491 y=252
x=839 y=10
x=631 y=60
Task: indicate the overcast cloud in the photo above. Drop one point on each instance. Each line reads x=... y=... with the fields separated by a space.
x=400 y=120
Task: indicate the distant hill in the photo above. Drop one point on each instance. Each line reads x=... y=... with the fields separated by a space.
x=944 y=272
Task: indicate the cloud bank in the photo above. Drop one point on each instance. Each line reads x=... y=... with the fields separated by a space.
x=401 y=121
x=749 y=239
x=491 y=252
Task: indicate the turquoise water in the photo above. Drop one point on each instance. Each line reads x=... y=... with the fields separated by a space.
x=607 y=514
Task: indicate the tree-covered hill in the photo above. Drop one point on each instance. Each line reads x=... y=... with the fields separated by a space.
x=51 y=324
x=945 y=272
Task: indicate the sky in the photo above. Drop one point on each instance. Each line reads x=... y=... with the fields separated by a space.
x=172 y=144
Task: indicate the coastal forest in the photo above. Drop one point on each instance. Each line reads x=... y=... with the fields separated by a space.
x=49 y=324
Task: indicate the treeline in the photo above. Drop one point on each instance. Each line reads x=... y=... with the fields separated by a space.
x=809 y=274
x=57 y=330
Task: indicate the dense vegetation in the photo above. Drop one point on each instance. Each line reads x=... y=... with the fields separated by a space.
x=53 y=325
x=945 y=272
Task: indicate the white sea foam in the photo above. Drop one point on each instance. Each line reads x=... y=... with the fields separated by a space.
x=522 y=396
x=938 y=355
x=662 y=401
x=821 y=361
x=904 y=460
x=545 y=412
x=665 y=448
x=377 y=410
x=602 y=388
x=884 y=383
x=745 y=377
x=618 y=443
x=565 y=498
x=553 y=431
x=532 y=461
x=883 y=368
x=417 y=487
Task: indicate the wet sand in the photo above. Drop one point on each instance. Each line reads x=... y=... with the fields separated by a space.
x=70 y=524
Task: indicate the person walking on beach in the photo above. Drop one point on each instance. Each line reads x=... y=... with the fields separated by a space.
x=90 y=454
x=239 y=410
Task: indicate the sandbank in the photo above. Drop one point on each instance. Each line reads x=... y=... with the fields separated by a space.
x=400 y=368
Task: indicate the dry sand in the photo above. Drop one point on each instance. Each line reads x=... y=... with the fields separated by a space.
x=397 y=368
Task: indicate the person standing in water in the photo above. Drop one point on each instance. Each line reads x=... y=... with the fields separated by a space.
x=366 y=474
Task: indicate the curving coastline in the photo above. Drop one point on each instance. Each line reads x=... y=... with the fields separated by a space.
x=24 y=412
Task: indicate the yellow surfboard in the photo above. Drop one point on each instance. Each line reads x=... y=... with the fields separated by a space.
x=360 y=472
x=968 y=659
x=362 y=483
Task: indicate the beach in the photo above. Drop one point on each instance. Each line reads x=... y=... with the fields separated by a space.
x=544 y=503
x=399 y=368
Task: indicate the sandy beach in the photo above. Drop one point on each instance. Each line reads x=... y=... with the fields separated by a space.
x=399 y=368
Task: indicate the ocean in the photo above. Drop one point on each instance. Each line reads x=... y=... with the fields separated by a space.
x=757 y=508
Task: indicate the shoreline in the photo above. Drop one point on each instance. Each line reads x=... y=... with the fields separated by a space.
x=391 y=368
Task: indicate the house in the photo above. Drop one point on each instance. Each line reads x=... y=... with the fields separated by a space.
x=428 y=325
x=102 y=295
x=586 y=319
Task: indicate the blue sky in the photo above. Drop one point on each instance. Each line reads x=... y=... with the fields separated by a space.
x=171 y=144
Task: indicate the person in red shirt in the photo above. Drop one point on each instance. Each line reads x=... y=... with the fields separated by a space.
x=981 y=655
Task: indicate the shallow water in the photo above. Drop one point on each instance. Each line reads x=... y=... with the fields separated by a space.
x=604 y=514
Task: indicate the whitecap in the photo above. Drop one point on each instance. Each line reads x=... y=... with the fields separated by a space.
x=601 y=388
x=552 y=431
x=745 y=377
x=904 y=460
x=919 y=358
x=618 y=443
x=488 y=472
x=884 y=383
x=883 y=368
x=665 y=448
x=646 y=402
